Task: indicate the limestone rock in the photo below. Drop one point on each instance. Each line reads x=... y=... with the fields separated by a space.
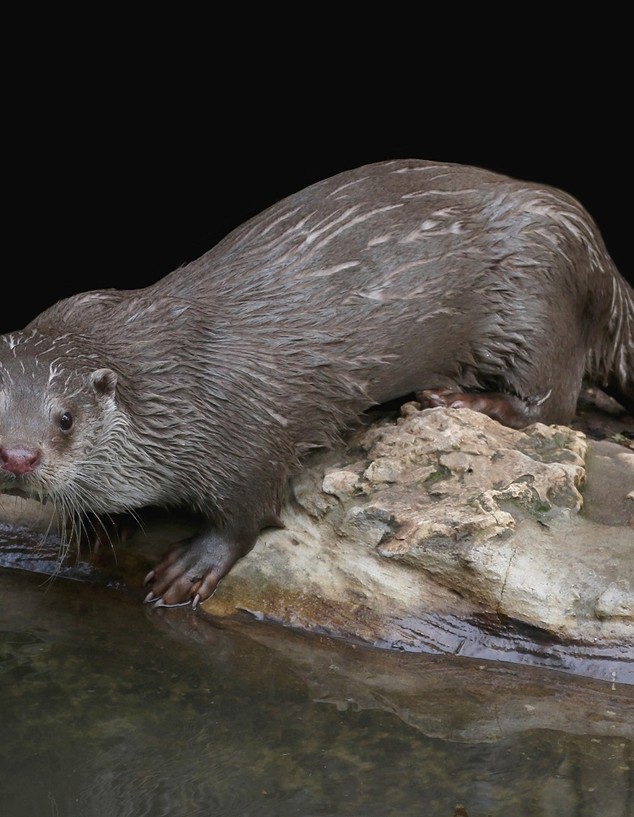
x=424 y=525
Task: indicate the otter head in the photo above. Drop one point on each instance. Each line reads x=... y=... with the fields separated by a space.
x=57 y=409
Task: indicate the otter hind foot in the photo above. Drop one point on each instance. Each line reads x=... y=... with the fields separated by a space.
x=507 y=409
x=191 y=570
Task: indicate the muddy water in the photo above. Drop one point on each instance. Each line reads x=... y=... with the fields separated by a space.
x=109 y=708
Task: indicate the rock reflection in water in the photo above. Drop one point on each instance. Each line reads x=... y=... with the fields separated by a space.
x=111 y=708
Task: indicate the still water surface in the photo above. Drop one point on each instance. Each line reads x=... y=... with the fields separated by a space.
x=109 y=708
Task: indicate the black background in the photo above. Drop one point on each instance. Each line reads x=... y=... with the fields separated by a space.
x=115 y=181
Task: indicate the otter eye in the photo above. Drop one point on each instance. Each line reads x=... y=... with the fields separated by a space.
x=66 y=421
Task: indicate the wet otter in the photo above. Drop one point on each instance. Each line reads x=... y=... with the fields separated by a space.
x=206 y=388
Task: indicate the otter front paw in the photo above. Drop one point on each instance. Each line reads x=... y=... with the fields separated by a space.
x=190 y=571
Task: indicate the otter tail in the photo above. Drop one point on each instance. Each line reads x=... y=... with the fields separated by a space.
x=612 y=366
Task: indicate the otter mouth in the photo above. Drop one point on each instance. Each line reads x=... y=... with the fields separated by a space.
x=6 y=490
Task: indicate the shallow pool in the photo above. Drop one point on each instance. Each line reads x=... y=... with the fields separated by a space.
x=110 y=708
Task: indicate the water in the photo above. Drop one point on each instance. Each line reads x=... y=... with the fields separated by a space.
x=110 y=708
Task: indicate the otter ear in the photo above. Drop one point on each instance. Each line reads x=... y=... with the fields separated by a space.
x=104 y=382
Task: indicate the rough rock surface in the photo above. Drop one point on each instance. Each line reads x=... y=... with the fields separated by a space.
x=427 y=530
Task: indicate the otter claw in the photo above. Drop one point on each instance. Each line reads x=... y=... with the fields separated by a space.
x=157 y=601
x=160 y=603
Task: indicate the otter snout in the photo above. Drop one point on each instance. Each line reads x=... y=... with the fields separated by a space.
x=19 y=459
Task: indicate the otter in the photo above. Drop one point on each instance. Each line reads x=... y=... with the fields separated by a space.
x=207 y=388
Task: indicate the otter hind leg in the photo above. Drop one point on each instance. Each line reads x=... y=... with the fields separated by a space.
x=507 y=409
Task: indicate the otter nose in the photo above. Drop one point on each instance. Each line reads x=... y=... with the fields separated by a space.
x=19 y=460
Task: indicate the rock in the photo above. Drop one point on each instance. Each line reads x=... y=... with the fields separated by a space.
x=426 y=525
